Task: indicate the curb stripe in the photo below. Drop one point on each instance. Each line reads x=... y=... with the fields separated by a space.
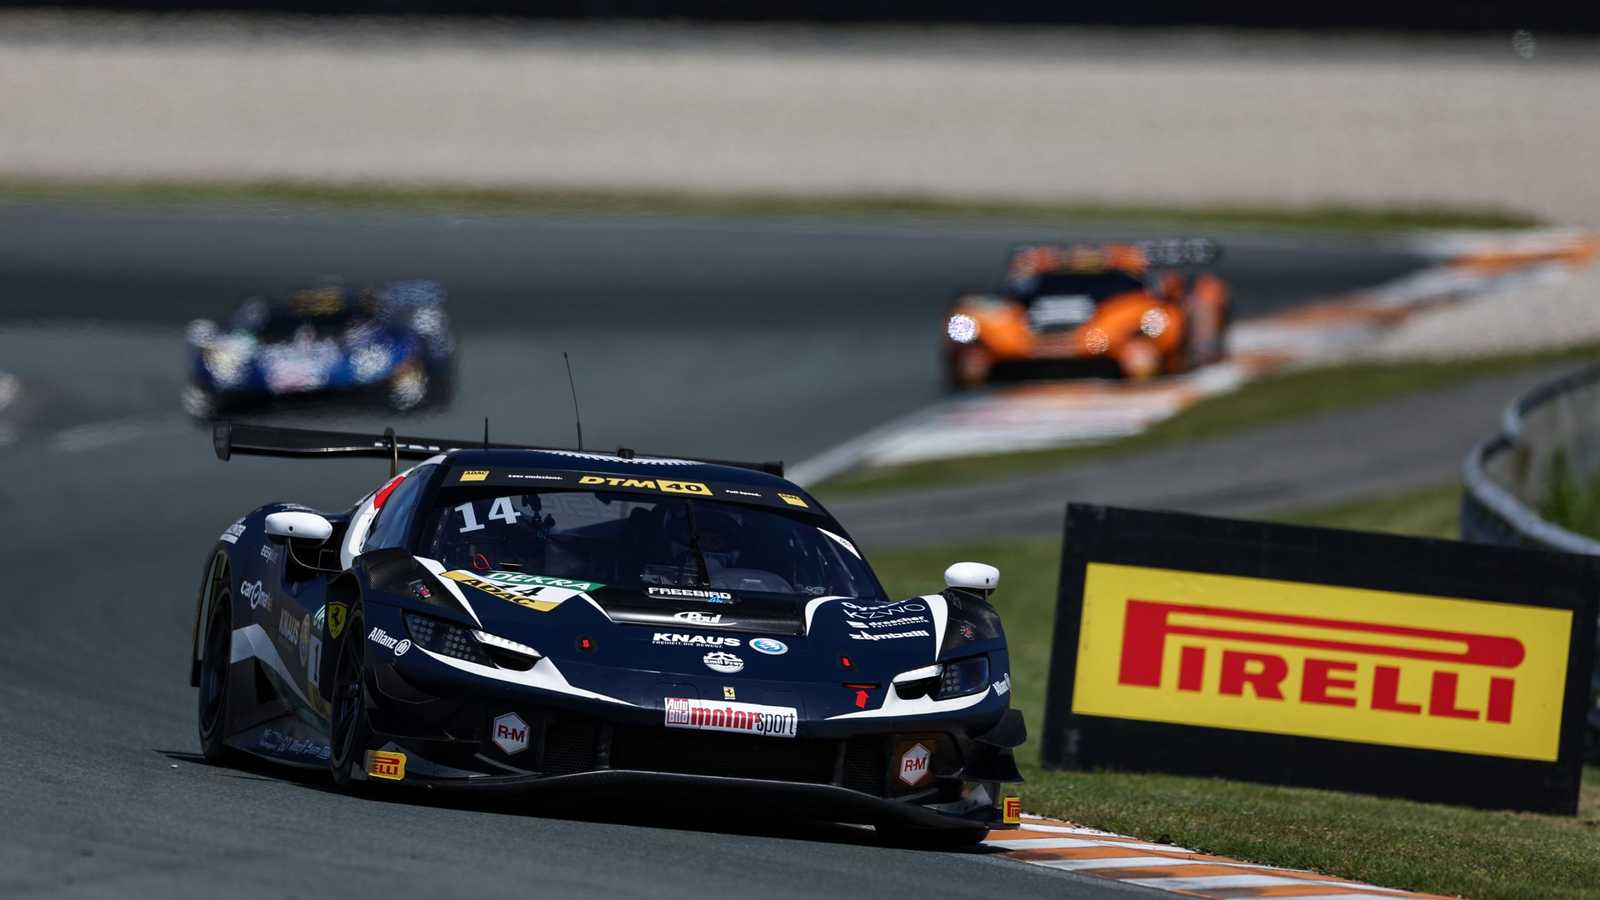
x=1087 y=852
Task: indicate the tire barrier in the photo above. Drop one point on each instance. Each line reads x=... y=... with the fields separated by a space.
x=1546 y=454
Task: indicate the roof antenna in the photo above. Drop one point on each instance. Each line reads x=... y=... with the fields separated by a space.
x=574 y=385
x=485 y=432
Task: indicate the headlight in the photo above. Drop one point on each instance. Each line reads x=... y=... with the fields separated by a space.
x=446 y=639
x=945 y=680
x=962 y=328
x=227 y=366
x=963 y=677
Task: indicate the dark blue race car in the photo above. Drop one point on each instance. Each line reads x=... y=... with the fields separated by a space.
x=391 y=345
x=618 y=626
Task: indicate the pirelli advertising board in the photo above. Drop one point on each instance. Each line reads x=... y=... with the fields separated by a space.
x=1423 y=668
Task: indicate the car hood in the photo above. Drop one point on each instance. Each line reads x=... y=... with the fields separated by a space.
x=830 y=639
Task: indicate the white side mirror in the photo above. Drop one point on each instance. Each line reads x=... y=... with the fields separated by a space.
x=301 y=526
x=202 y=332
x=972 y=576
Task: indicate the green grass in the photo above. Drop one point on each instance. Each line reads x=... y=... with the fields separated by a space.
x=1572 y=500
x=1395 y=843
x=509 y=199
x=1266 y=401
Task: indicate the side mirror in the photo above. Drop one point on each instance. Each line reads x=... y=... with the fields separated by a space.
x=972 y=576
x=201 y=332
x=300 y=526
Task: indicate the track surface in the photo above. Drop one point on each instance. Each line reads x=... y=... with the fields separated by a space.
x=760 y=339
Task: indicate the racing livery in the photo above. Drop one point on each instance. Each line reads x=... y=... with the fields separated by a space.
x=1091 y=309
x=506 y=618
x=391 y=344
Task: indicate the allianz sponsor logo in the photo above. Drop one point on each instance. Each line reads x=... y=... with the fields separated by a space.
x=889 y=623
x=690 y=593
x=875 y=636
x=675 y=639
x=257 y=594
x=381 y=638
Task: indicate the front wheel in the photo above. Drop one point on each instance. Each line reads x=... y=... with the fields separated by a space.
x=215 y=664
x=348 y=728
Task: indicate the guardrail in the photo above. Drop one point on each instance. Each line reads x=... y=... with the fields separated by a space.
x=1548 y=436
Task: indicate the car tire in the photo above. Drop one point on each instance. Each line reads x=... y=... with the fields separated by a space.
x=216 y=663
x=913 y=838
x=349 y=732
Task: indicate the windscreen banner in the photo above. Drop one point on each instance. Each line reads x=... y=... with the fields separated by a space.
x=1422 y=668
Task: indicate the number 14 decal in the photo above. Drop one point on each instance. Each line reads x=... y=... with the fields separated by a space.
x=500 y=510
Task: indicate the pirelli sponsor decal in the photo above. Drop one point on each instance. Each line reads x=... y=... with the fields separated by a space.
x=386 y=765
x=1348 y=664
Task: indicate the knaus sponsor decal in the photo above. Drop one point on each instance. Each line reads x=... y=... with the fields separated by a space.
x=674 y=639
x=1340 y=663
x=740 y=718
x=381 y=638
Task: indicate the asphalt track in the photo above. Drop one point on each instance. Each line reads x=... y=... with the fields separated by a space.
x=737 y=338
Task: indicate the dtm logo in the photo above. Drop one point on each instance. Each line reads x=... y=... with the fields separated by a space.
x=510 y=733
x=381 y=638
x=913 y=769
x=648 y=484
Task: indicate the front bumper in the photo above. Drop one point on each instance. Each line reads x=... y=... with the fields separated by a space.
x=955 y=778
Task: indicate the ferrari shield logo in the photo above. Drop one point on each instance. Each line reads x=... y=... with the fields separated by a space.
x=337 y=614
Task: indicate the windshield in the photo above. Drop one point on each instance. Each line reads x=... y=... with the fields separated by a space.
x=634 y=541
x=1096 y=286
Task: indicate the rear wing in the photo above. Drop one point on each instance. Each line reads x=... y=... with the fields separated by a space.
x=1146 y=253
x=229 y=438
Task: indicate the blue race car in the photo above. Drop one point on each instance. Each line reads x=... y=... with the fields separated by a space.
x=602 y=626
x=391 y=345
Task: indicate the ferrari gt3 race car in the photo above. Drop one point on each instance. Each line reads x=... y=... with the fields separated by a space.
x=392 y=345
x=641 y=628
x=1108 y=310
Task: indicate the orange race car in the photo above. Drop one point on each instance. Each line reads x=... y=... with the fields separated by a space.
x=1108 y=310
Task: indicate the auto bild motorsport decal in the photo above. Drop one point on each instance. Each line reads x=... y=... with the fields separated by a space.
x=719 y=661
x=739 y=718
x=536 y=592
